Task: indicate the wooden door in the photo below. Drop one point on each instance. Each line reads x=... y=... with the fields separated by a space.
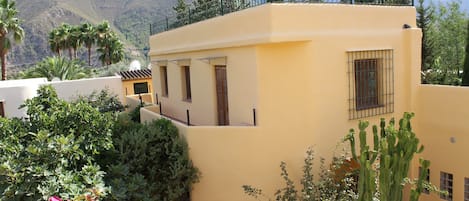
x=222 y=95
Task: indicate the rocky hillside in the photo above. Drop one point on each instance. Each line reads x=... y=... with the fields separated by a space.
x=129 y=18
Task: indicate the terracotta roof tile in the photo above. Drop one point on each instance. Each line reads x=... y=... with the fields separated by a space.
x=135 y=74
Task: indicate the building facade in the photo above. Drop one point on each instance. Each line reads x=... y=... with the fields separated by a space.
x=136 y=82
x=259 y=86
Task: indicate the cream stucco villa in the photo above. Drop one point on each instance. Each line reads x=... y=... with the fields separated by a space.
x=258 y=86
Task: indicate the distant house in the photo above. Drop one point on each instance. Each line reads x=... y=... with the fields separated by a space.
x=137 y=82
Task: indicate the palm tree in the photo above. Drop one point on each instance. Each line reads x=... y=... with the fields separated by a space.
x=110 y=47
x=54 y=41
x=57 y=67
x=9 y=29
x=116 y=51
x=64 y=35
x=111 y=50
x=103 y=35
x=75 y=39
x=88 y=37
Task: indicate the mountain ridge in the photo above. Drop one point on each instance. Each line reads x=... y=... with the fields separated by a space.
x=130 y=19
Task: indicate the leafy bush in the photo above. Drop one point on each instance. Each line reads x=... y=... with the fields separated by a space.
x=332 y=185
x=135 y=113
x=52 y=152
x=104 y=101
x=91 y=129
x=148 y=162
x=55 y=151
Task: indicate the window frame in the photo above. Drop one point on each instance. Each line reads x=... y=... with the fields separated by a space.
x=164 y=81
x=446 y=184
x=371 y=82
x=141 y=83
x=367 y=72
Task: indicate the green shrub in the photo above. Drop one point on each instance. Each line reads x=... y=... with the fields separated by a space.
x=52 y=152
x=327 y=188
x=104 y=101
x=135 y=113
x=149 y=162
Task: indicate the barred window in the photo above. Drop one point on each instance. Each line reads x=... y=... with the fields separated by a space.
x=446 y=184
x=371 y=83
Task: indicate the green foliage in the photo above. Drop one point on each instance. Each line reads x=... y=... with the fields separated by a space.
x=425 y=17
x=465 y=78
x=393 y=149
x=104 y=101
x=57 y=67
x=415 y=193
x=127 y=18
x=130 y=24
x=72 y=37
x=389 y=2
x=52 y=152
x=60 y=38
x=204 y=9
x=182 y=13
x=10 y=28
x=330 y=187
x=446 y=36
x=381 y=168
x=289 y=192
x=110 y=48
x=135 y=113
x=149 y=162
x=87 y=37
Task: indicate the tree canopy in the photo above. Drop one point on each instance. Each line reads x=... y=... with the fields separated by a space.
x=10 y=30
x=444 y=41
x=73 y=37
x=53 y=151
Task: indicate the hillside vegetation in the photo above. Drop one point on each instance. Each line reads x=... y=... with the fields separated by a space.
x=130 y=19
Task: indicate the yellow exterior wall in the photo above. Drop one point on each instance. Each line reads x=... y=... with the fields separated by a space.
x=203 y=107
x=133 y=101
x=442 y=116
x=289 y=61
x=128 y=86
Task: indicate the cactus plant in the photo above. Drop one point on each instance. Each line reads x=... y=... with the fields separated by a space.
x=395 y=149
x=415 y=193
